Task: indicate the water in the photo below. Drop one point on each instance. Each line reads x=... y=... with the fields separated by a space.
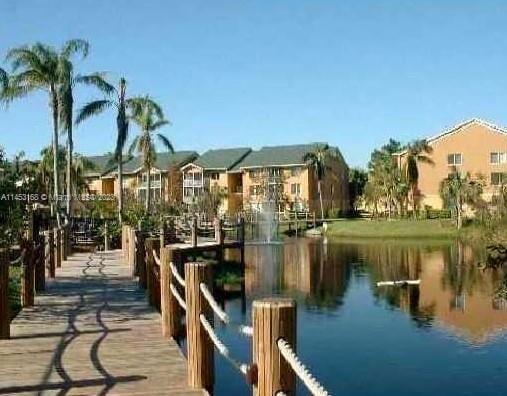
x=446 y=337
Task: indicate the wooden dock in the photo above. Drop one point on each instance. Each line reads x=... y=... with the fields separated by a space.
x=91 y=332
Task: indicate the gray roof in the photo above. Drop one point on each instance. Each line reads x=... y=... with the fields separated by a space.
x=164 y=161
x=222 y=158
x=272 y=156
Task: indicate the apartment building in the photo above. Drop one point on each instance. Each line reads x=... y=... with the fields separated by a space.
x=281 y=174
x=215 y=169
x=166 y=178
x=474 y=146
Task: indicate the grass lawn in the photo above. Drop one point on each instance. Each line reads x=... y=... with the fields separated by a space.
x=405 y=228
x=15 y=290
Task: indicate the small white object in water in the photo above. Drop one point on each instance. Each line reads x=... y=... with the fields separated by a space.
x=399 y=283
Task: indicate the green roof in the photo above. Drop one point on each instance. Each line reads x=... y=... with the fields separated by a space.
x=279 y=155
x=164 y=161
x=222 y=158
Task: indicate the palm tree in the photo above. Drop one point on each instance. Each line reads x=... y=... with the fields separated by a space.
x=38 y=68
x=317 y=160
x=4 y=81
x=417 y=152
x=459 y=189
x=148 y=116
x=66 y=102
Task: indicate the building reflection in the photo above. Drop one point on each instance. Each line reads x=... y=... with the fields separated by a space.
x=455 y=293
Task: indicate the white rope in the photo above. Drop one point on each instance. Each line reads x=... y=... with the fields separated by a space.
x=176 y=274
x=178 y=297
x=246 y=330
x=17 y=261
x=219 y=345
x=155 y=257
x=300 y=369
x=213 y=303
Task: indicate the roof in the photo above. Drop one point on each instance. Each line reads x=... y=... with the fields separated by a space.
x=164 y=161
x=460 y=126
x=271 y=156
x=222 y=159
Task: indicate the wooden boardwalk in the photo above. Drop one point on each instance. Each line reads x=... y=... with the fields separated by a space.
x=91 y=333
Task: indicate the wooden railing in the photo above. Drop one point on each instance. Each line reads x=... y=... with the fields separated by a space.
x=39 y=251
x=275 y=365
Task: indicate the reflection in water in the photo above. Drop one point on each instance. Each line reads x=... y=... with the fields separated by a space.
x=442 y=337
x=454 y=291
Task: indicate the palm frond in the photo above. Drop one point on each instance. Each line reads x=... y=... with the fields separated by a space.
x=133 y=146
x=165 y=141
x=91 y=109
x=75 y=46
x=98 y=81
x=159 y=124
x=4 y=79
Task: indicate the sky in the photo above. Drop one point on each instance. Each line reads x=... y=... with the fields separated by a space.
x=232 y=73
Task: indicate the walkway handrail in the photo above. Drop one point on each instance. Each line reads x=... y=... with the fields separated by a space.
x=176 y=274
x=243 y=329
x=178 y=297
x=220 y=346
x=300 y=369
x=155 y=257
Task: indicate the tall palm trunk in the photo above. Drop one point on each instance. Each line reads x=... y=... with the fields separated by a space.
x=148 y=189
x=54 y=109
x=70 y=148
x=319 y=187
x=120 y=190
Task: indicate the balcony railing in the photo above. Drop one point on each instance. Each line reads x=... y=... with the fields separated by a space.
x=193 y=183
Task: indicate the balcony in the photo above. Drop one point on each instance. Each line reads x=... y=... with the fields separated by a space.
x=193 y=183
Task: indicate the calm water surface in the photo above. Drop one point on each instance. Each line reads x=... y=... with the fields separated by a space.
x=445 y=337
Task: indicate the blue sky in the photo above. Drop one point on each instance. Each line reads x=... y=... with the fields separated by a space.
x=264 y=72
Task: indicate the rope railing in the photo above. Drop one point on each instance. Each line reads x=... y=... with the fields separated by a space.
x=221 y=348
x=300 y=369
x=155 y=257
x=246 y=330
x=176 y=274
x=178 y=297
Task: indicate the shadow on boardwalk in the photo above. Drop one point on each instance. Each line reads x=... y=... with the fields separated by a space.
x=91 y=333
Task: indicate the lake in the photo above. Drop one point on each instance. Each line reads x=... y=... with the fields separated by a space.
x=443 y=337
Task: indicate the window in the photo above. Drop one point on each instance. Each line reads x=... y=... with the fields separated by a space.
x=498 y=158
x=214 y=176
x=454 y=159
x=295 y=189
x=254 y=190
x=498 y=178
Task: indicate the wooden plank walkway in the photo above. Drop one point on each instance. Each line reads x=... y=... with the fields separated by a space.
x=91 y=333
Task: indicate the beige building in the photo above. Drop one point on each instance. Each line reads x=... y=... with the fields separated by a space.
x=281 y=172
x=166 y=178
x=474 y=146
x=215 y=170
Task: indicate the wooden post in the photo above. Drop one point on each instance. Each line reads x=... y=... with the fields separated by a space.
x=50 y=260
x=63 y=243
x=200 y=367
x=58 y=247
x=169 y=306
x=106 y=237
x=163 y=232
x=28 y=276
x=193 y=231
x=273 y=318
x=150 y=245
x=5 y=312
x=132 y=251
x=141 y=259
x=40 y=273
x=218 y=230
